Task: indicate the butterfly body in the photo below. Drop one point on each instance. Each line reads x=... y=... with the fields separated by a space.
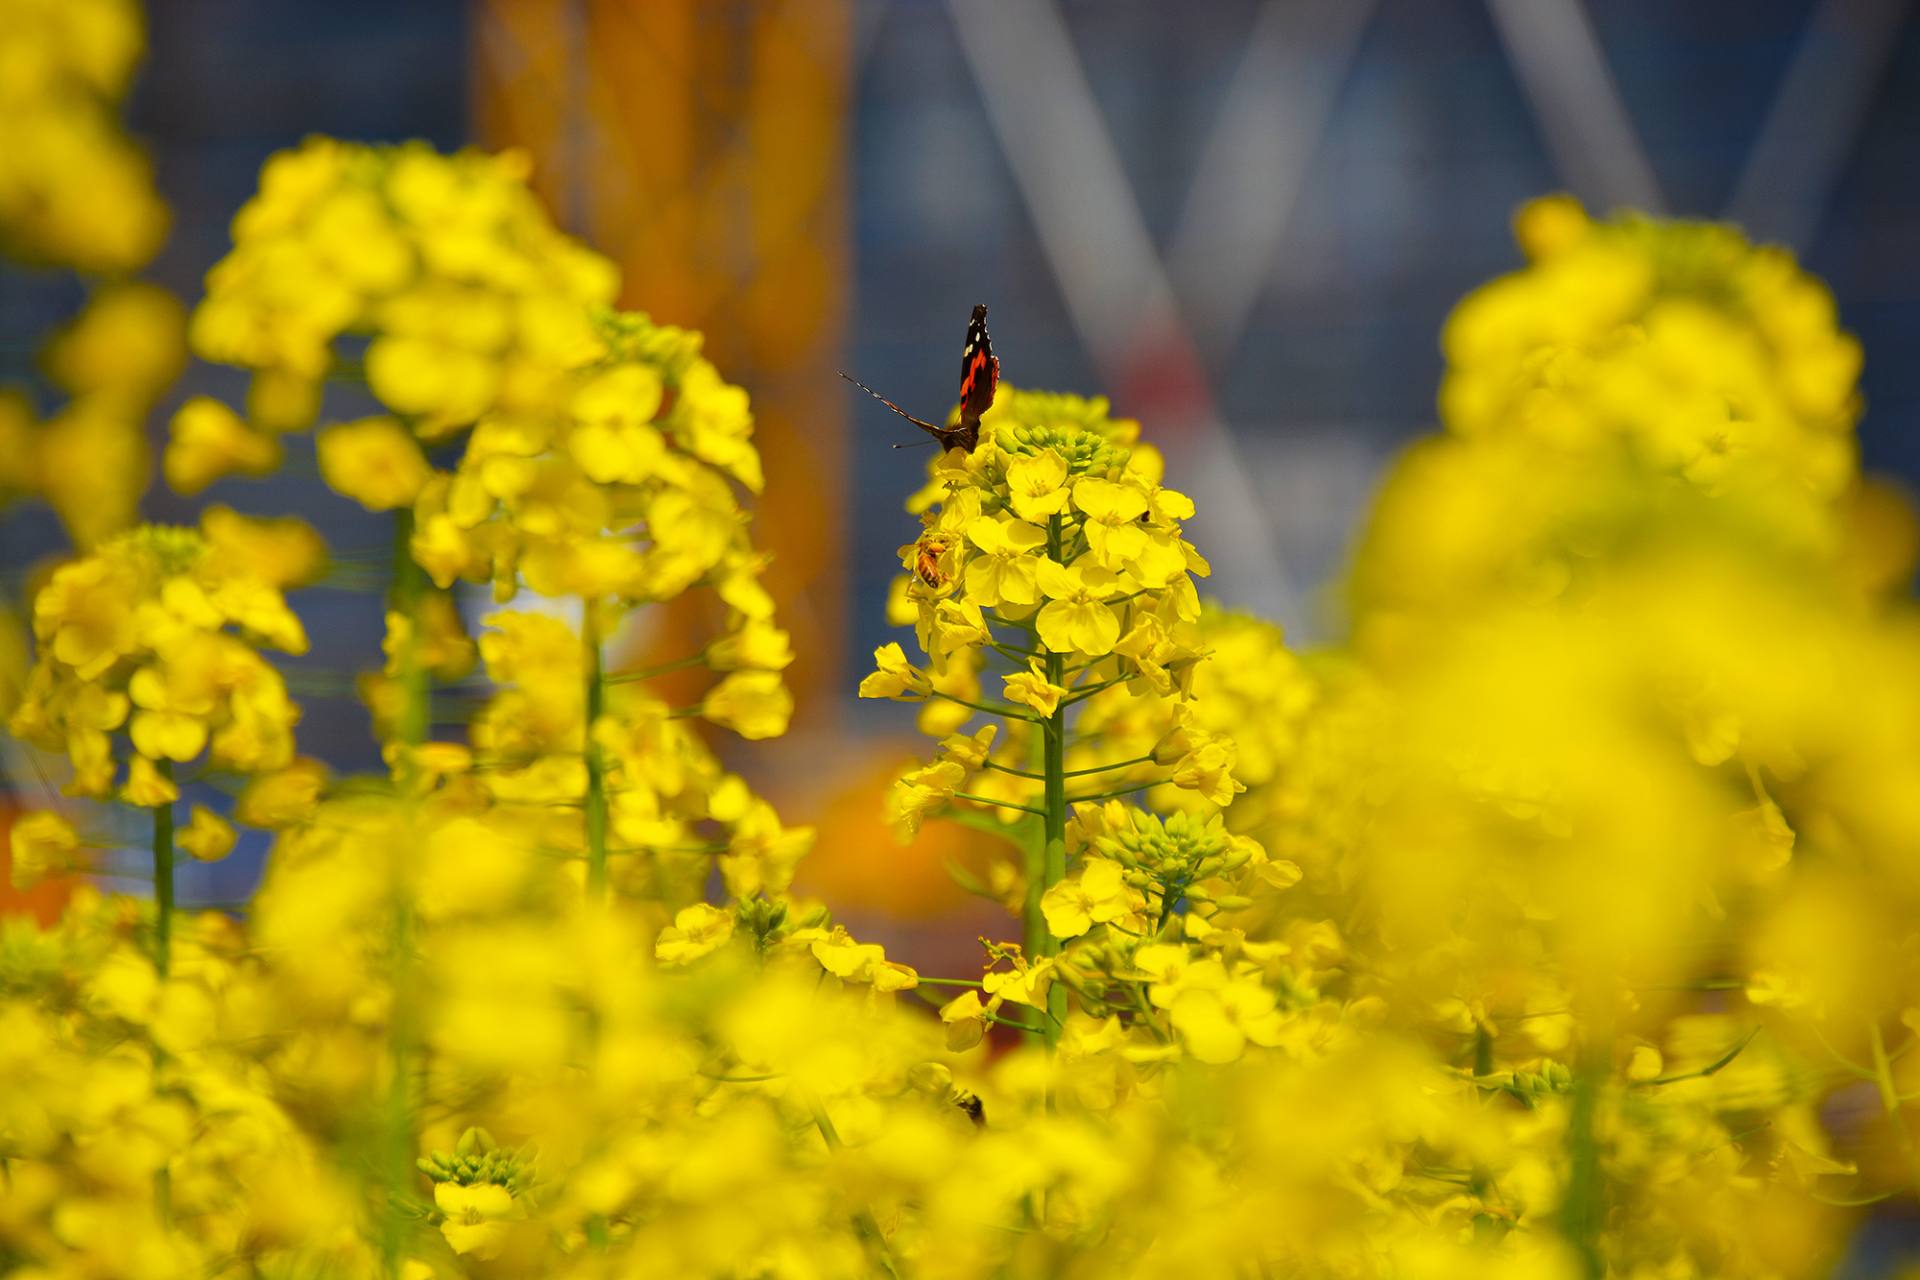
x=979 y=378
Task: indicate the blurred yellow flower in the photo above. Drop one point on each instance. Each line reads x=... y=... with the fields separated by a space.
x=206 y=836
x=42 y=844
x=696 y=931
x=210 y=442
x=754 y=704
x=374 y=461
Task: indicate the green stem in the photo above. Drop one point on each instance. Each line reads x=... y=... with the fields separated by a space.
x=1018 y=773
x=864 y=1223
x=1006 y=712
x=1081 y=694
x=1117 y=791
x=163 y=951
x=1071 y=773
x=1054 y=862
x=398 y=1138
x=596 y=693
x=1890 y=1101
x=1105 y=768
x=1033 y=919
x=998 y=804
x=648 y=673
x=1146 y=1018
x=163 y=877
x=405 y=592
x=1584 y=1208
x=408 y=587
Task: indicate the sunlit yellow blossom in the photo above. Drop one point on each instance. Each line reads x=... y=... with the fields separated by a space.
x=1208 y=769
x=474 y=1221
x=1097 y=895
x=965 y=1019
x=969 y=750
x=860 y=962
x=696 y=931
x=1008 y=571
x=1035 y=485
x=1026 y=983
x=1076 y=617
x=955 y=626
x=919 y=792
x=1031 y=689
x=895 y=677
x=1112 y=510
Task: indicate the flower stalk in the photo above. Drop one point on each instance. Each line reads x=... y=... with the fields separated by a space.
x=1890 y=1102
x=163 y=877
x=1583 y=1210
x=596 y=800
x=405 y=593
x=163 y=949
x=1053 y=867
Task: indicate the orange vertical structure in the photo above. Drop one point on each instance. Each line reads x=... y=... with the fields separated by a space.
x=702 y=144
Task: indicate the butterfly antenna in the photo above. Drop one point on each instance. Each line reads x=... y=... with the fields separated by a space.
x=890 y=404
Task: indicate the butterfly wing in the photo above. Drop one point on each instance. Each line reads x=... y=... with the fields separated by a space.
x=979 y=371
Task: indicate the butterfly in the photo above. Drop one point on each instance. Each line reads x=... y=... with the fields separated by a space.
x=979 y=377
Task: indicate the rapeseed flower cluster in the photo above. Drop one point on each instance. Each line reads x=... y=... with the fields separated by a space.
x=622 y=492
x=1554 y=925
x=439 y=280
x=149 y=653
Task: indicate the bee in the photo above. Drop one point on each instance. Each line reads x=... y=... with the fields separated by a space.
x=928 y=554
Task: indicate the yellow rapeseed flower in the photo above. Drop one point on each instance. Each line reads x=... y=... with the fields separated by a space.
x=374 y=461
